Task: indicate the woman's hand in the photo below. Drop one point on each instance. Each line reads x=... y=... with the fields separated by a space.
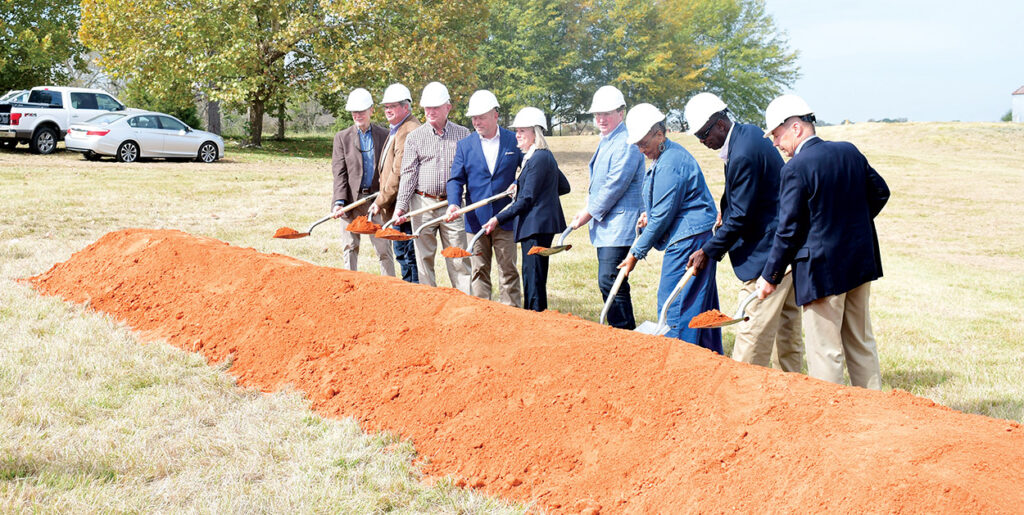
x=490 y=225
x=628 y=263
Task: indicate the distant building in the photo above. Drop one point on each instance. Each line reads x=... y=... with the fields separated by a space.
x=1018 y=105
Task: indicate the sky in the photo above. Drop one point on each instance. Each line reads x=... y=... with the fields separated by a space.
x=925 y=61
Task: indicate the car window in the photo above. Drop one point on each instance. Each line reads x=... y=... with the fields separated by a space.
x=84 y=101
x=171 y=124
x=43 y=96
x=106 y=102
x=143 y=121
x=105 y=119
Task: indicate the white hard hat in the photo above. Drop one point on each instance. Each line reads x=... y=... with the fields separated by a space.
x=699 y=110
x=528 y=117
x=639 y=121
x=359 y=100
x=396 y=93
x=783 y=108
x=434 y=95
x=607 y=99
x=481 y=102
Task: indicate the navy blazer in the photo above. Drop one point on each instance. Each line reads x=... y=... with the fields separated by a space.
x=537 y=205
x=470 y=174
x=829 y=199
x=750 y=203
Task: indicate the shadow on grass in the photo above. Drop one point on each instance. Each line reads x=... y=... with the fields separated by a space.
x=299 y=146
x=916 y=379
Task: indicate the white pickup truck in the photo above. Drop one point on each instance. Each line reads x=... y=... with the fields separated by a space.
x=43 y=120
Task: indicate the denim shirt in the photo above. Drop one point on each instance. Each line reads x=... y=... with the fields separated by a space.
x=676 y=199
x=613 y=197
x=366 y=148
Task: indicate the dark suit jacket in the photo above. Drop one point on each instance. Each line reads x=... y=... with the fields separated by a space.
x=469 y=174
x=750 y=203
x=537 y=206
x=347 y=162
x=830 y=197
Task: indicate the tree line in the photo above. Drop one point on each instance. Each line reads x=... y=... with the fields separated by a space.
x=264 y=55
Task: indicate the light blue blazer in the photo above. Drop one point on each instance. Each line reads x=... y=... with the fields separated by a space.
x=613 y=199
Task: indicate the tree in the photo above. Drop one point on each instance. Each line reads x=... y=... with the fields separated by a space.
x=272 y=52
x=37 y=43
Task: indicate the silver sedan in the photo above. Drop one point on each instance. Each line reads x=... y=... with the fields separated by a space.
x=129 y=136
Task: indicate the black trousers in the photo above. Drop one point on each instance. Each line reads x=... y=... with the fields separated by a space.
x=621 y=313
x=535 y=272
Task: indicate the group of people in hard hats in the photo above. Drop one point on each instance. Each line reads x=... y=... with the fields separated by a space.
x=800 y=235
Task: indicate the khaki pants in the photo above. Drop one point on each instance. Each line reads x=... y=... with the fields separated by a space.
x=452 y=234
x=502 y=244
x=350 y=246
x=773 y=333
x=839 y=326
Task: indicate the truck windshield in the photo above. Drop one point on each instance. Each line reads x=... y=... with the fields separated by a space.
x=43 y=96
x=105 y=119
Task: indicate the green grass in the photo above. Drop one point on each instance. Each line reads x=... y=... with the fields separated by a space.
x=92 y=420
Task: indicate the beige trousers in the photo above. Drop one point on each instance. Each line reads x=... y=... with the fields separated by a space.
x=452 y=234
x=502 y=245
x=839 y=326
x=350 y=246
x=772 y=336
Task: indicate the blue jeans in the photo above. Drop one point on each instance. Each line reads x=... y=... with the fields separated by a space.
x=405 y=253
x=621 y=312
x=535 y=272
x=699 y=295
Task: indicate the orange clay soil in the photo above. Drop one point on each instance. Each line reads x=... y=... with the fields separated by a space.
x=362 y=225
x=392 y=234
x=709 y=318
x=536 y=250
x=285 y=232
x=455 y=252
x=546 y=406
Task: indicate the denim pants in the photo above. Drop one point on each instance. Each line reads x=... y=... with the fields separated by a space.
x=405 y=253
x=699 y=295
x=621 y=312
x=535 y=272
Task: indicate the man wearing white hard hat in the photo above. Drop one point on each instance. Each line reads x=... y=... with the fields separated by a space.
x=678 y=214
x=613 y=201
x=536 y=210
x=749 y=214
x=426 y=166
x=354 y=165
x=829 y=198
x=485 y=165
x=398 y=111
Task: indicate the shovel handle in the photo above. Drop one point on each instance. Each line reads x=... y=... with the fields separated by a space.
x=482 y=203
x=663 y=319
x=477 y=236
x=611 y=295
x=741 y=313
x=318 y=222
x=419 y=211
x=359 y=202
x=565 y=233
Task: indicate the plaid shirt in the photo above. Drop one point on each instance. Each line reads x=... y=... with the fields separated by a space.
x=427 y=162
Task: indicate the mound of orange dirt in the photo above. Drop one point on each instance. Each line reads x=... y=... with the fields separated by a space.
x=536 y=250
x=546 y=406
x=455 y=252
x=392 y=234
x=709 y=319
x=362 y=225
x=285 y=232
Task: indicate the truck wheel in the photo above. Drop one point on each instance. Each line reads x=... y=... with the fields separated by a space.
x=128 y=152
x=44 y=141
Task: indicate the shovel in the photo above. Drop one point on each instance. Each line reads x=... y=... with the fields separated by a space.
x=741 y=316
x=457 y=253
x=362 y=224
x=544 y=251
x=661 y=327
x=462 y=211
x=618 y=279
x=387 y=233
x=288 y=233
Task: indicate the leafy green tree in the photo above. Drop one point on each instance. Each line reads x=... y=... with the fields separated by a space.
x=1008 y=116
x=37 y=43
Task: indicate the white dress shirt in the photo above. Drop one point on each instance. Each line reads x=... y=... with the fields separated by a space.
x=491 y=146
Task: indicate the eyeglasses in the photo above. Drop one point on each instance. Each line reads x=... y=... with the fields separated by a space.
x=703 y=134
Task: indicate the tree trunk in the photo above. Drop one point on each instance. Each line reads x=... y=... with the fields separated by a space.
x=213 y=117
x=256 y=110
x=280 y=122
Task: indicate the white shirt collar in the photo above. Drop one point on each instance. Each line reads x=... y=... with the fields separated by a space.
x=529 y=153
x=724 y=152
x=804 y=142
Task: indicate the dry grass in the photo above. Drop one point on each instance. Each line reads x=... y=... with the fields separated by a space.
x=94 y=421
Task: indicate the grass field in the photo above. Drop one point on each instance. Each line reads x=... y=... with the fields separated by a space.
x=94 y=421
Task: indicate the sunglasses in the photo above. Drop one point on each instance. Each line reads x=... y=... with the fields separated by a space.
x=703 y=134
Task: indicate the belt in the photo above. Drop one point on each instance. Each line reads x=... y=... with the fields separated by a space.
x=435 y=197
x=364 y=191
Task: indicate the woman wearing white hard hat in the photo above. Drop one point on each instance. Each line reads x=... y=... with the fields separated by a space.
x=679 y=213
x=537 y=207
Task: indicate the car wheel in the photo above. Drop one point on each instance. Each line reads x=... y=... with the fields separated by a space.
x=128 y=152
x=92 y=156
x=207 y=152
x=44 y=141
